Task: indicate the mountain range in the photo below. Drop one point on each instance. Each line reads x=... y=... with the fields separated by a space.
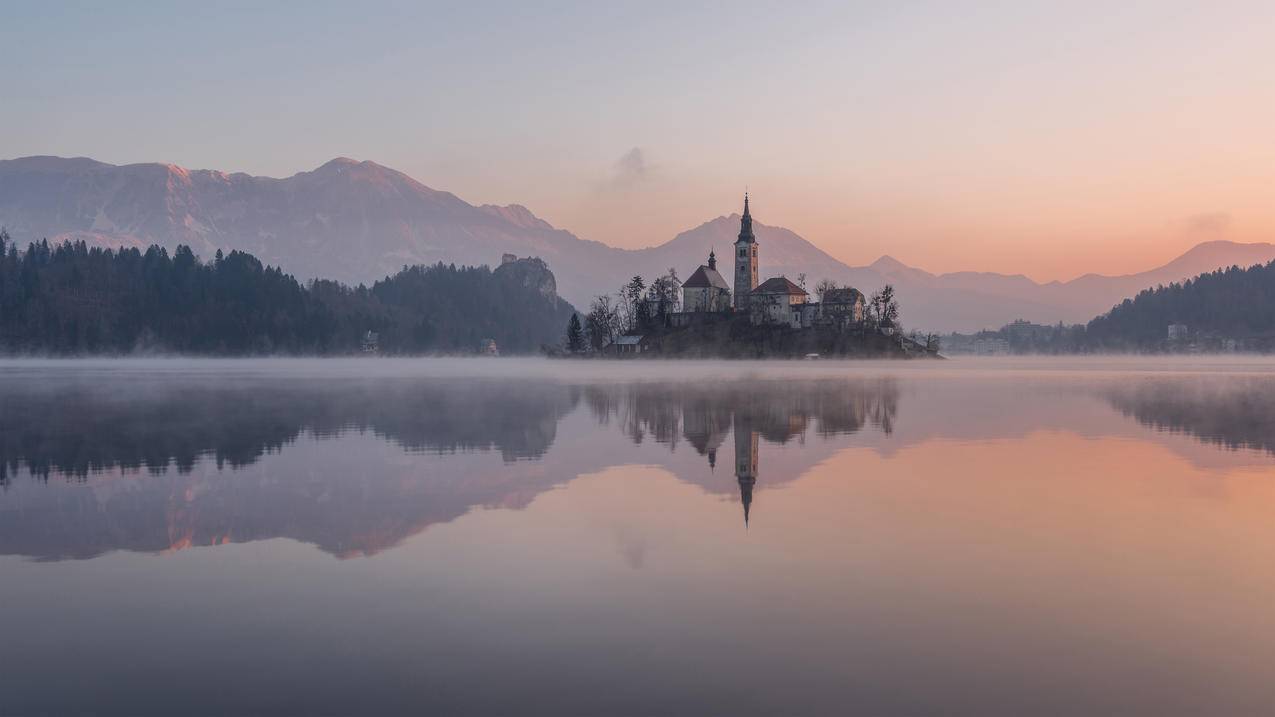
x=359 y=221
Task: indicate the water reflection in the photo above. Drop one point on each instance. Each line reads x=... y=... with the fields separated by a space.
x=935 y=541
x=165 y=465
x=1236 y=413
x=81 y=428
x=355 y=466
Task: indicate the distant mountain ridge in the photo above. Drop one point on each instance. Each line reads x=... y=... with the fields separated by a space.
x=360 y=221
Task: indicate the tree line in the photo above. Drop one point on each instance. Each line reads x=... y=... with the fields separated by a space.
x=70 y=298
x=1228 y=304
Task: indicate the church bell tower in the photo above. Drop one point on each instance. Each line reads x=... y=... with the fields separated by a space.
x=745 y=259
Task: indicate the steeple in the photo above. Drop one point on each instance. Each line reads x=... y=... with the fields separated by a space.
x=712 y=260
x=746 y=495
x=746 y=440
x=745 y=260
x=746 y=224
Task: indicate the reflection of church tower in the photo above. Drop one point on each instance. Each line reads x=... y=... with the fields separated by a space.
x=745 y=260
x=745 y=462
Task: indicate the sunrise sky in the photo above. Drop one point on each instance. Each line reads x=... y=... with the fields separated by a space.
x=1051 y=139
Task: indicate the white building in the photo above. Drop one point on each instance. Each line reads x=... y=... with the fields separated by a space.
x=706 y=290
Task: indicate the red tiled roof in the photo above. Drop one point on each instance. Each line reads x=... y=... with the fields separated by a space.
x=779 y=285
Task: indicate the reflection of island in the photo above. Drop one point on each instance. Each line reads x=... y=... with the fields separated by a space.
x=777 y=411
x=1239 y=413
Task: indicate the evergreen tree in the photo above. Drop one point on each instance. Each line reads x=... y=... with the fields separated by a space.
x=575 y=335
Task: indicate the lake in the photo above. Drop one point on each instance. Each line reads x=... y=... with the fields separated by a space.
x=334 y=537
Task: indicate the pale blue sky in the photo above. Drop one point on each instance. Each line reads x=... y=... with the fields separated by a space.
x=1049 y=138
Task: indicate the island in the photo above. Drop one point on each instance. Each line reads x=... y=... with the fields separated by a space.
x=708 y=317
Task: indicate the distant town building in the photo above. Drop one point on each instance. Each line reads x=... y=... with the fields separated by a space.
x=371 y=342
x=1177 y=332
x=706 y=290
x=1025 y=332
x=488 y=347
x=990 y=346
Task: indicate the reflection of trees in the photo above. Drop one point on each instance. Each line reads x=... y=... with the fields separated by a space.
x=82 y=429
x=1239 y=413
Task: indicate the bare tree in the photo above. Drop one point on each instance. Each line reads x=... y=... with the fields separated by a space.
x=823 y=287
x=883 y=310
x=665 y=294
x=602 y=323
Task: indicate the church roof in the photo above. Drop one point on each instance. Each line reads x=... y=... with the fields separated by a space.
x=779 y=285
x=704 y=278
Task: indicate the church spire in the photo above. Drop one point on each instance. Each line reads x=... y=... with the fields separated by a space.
x=746 y=224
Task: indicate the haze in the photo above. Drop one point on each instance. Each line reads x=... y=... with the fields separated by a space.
x=1048 y=139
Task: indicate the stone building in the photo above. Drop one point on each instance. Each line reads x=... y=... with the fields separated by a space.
x=706 y=290
x=777 y=301
x=842 y=307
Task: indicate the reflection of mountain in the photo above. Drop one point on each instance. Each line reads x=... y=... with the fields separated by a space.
x=1239 y=413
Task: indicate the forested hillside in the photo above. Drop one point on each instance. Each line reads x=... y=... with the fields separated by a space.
x=1233 y=303
x=72 y=299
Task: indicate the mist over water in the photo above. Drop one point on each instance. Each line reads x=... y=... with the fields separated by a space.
x=975 y=536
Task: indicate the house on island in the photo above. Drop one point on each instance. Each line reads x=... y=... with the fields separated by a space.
x=628 y=344
x=842 y=307
x=778 y=301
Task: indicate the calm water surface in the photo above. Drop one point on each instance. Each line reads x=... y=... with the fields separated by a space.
x=525 y=537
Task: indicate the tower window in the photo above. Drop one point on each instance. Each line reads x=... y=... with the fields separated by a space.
x=743 y=253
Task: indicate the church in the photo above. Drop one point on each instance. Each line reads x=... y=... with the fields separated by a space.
x=776 y=301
